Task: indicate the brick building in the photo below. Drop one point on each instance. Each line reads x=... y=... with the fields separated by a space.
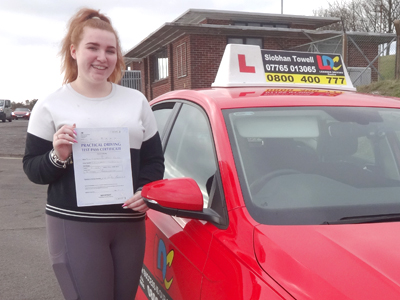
x=185 y=54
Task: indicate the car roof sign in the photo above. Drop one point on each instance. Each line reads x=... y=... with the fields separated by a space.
x=248 y=65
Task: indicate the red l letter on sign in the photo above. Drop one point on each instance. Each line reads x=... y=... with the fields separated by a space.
x=242 y=65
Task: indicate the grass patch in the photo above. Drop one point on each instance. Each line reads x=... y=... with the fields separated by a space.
x=384 y=87
x=386 y=66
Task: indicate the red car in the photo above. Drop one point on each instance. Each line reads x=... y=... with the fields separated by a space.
x=21 y=113
x=275 y=192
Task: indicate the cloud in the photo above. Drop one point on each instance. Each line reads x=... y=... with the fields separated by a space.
x=29 y=72
x=25 y=29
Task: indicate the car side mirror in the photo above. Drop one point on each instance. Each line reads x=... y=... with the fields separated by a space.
x=179 y=197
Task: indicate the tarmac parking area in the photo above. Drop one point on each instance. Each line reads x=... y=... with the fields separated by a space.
x=12 y=138
x=25 y=270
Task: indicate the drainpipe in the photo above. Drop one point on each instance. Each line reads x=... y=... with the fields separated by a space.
x=397 y=69
x=344 y=45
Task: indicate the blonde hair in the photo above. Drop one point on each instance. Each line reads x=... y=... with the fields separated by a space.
x=87 y=17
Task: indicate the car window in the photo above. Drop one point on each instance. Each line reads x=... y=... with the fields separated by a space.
x=190 y=149
x=162 y=113
x=316 y=165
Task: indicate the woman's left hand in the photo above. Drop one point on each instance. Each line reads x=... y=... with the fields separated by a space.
x=136 y=203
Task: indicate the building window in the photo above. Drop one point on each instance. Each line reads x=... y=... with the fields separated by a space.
x=160 y=60
x=181 y=60
x=281 y=26
x=240 y=24
x=256 y=24
x=246 y=41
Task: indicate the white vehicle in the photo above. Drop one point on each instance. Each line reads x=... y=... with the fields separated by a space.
x=5 y=110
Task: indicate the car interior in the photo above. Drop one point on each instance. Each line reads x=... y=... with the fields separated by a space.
x=318 y=158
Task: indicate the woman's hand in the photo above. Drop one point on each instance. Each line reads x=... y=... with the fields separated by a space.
x=136 y=203
x=63 y=140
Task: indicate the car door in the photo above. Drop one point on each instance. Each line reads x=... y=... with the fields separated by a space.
x=176 y=248
x=8 y=110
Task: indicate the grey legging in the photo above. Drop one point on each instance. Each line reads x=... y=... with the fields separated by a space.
x=100 y=261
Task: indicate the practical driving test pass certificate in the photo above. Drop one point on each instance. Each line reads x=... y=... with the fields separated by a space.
x=102 y=166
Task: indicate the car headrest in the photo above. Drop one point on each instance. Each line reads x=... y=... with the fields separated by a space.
x=341 y=139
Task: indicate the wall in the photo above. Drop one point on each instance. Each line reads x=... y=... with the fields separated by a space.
x=283 y=43
x=356 y=59
x=205 y=56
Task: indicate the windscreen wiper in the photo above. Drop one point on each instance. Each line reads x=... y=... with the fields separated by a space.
x=366 y=219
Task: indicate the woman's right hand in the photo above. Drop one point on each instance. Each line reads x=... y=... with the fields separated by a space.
x=63 y=140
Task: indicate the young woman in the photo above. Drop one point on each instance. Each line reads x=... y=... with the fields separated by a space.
x=96 y=251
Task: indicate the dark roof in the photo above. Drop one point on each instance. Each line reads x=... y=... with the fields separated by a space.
x=195 y=16
x=188 y=23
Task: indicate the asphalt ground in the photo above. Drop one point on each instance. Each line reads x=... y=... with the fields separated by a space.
x=12 y=138
x=25 y=270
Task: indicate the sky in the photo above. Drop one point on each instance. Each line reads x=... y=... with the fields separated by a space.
x=31 y=32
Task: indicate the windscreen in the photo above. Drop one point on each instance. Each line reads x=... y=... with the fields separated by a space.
x=316 y=165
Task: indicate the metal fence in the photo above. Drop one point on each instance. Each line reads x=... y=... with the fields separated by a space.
x=368 y=56
x=132 y=79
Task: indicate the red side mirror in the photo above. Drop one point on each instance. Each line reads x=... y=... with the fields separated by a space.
x=177 y=193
